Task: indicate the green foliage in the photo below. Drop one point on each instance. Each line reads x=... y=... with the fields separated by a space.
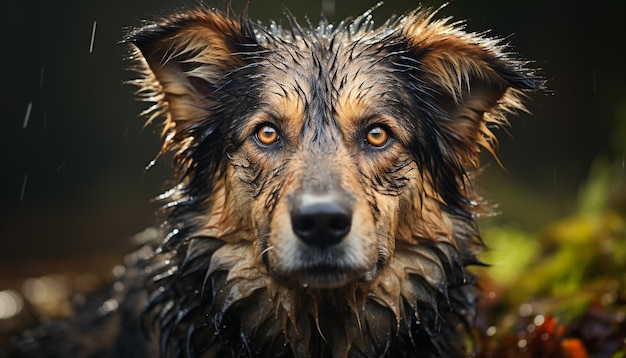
x=572 y=272
x=561 y=259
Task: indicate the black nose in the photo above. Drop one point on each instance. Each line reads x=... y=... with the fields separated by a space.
x=321 y=220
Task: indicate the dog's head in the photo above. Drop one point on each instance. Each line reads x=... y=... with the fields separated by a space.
x=326 y=147
x=323 y=162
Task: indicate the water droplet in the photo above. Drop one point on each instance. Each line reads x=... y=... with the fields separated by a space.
x=538 y=320
x=525 y=310
x=11 y=304
x=150 y=165
x=119 y=270
x=609 y=298
x=23 y=187
x=109 y=305
x=93 y=37
x=522 y=343
x=594 y=80
x=29 y=107
x=491 y=331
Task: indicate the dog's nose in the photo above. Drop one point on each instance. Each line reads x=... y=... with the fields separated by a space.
x=321 y=220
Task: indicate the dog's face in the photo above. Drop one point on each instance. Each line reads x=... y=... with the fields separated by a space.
x=328 y=147
x=331 y=158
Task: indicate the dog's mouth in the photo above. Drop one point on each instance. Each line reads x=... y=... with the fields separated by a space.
x=323 y=276
x=327 y=275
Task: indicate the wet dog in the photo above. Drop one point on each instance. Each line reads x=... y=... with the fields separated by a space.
x=323 y=204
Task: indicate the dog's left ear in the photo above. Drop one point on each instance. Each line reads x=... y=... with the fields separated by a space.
x=470 y=79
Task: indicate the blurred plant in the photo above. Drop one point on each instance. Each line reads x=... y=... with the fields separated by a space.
x=573 y=273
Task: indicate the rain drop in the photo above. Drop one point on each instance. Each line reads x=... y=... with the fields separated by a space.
x=118 y=270
x=11 y=304
x=93 y=37
x=150 y=165
x=27 y=116
x=23 y=187
x=109 y=305
x=525 y=310
x=594 y=80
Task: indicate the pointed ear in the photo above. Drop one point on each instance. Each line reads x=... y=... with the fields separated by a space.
x=182 y=62
x=471 y=80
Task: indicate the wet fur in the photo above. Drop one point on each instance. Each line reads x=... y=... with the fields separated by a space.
x=225 y=275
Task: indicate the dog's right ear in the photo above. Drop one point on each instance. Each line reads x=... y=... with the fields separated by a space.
x=182 y=61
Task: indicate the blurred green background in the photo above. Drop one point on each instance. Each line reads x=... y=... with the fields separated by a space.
x=73 y=180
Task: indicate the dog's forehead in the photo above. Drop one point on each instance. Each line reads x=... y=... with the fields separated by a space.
x=336 y=77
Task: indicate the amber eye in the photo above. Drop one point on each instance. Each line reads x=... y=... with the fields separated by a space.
x=377 y=136
x=267 y=135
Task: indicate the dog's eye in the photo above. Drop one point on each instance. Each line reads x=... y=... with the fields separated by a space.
x=377 y=136
x=267 y=135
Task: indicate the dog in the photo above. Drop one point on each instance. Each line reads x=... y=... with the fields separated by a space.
x=323 y=204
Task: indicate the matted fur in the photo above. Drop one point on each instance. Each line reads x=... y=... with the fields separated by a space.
x=225 y=275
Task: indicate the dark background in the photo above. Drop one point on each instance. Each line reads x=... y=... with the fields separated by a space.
x=73 y=184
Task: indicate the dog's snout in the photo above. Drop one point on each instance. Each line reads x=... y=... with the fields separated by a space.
x=321 y=220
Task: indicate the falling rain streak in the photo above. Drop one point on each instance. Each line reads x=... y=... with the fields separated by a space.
x=93 y=37
x=23 y=187
x=594 y=80
x=27 y=116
